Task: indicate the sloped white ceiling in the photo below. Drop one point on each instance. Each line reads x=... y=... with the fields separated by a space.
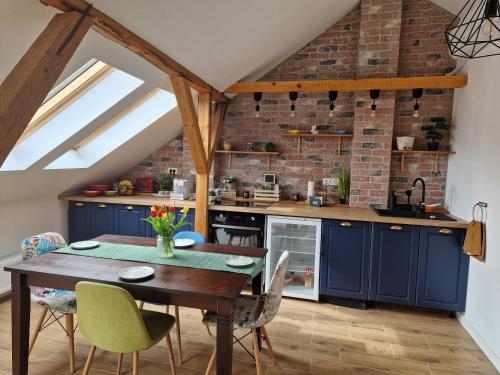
x=222 y=41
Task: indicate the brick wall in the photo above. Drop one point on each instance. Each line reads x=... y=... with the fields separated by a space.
x=378 y=56
x=343 y=51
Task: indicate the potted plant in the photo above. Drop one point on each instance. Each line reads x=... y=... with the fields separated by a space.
x=343 y=186
x=433 y=133
x=270 y=147
x=162 y=219
x=230 y=182
x=164 y=182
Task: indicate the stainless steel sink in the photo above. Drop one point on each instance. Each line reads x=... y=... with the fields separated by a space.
x=414 y=214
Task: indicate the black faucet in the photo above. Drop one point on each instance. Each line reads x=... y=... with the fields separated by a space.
x=421 y=205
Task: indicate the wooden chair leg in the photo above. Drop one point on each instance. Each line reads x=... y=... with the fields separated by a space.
x=120 y=361
x=270 y=350
x=170 y=352
x=206 y=325
x=178 y=332
x=39 y=324
x=167 y=309
x=71 y=341
x=141 y=305
x=90 y=357
x=211 y=362
x=256 y=351
x=135 y=364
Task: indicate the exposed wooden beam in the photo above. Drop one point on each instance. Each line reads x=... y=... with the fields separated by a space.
x=118 y=33
x=27 y=85
x=217 y=128
x=190 y=123
x=400 y=83
x=203 y=179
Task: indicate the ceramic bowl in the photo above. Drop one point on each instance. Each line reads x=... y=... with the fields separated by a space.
x=91 y=193
x=99 y=187
x=294 y=131
x=110 y=193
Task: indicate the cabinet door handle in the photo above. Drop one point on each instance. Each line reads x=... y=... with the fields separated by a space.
x=79 y=204
x=101 y=205
x=345 y=224
x=130 y=208
x=396 y=227
x=445 y=231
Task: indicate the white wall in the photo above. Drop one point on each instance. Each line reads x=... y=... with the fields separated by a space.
x=474 y=175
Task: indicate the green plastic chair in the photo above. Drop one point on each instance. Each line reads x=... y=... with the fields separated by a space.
x=109 y=318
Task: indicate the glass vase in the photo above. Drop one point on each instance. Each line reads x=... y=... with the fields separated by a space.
x=165 y=247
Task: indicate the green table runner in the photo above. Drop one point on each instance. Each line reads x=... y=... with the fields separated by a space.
x=181 y=258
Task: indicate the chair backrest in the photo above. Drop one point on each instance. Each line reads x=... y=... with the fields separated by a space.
x=195 y=236
x=41 y=244
x=273 y=297
x=109 y=318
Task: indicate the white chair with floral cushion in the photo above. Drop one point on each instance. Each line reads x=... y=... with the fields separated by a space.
x=57 y=303
x=254 y=312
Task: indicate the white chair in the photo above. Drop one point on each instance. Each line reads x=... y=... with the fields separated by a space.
x=254 y=312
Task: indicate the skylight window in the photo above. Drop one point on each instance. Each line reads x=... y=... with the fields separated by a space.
x=56 y=124
x=118 y=131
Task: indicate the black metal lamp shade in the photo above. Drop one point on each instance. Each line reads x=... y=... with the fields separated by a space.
x=475 y=31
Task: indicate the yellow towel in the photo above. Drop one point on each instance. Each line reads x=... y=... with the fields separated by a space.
x=475 y=240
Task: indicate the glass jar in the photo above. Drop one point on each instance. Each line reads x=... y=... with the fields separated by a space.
x=165 y=247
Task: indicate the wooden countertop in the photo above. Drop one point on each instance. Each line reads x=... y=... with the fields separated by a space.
x=282 y=208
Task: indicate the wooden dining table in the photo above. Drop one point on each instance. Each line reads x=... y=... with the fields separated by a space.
x=181 y=286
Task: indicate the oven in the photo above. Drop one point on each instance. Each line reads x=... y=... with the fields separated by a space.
x=237 y=228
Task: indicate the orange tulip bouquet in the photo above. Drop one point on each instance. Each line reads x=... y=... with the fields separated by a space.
x=162 y=219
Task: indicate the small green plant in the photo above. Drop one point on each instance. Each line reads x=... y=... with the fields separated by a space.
x=270 y=147
x=164 y=182
x=343 y=184
x=229 y=179
x=434 y=132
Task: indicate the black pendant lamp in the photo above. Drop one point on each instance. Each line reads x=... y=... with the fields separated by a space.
x=293 y=97
x=257 y=96
x=374 y=95
x=332 y=95
x=475 y=31
x=417 y=94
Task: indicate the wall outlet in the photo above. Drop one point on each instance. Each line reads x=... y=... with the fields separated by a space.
x=330 y=181
x=172 y=170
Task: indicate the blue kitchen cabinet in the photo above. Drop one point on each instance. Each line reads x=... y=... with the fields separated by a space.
x=79 y=221
x=443 y=269
x=345 y=259
x=394 y=263
x=127 y=220
x=101 y=219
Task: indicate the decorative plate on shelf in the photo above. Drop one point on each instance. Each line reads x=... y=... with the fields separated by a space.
x=184 y=243
x=238 y=261
x=84 y=245
x=136 y=273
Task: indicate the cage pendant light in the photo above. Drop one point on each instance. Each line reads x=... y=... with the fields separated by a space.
x=475 y=31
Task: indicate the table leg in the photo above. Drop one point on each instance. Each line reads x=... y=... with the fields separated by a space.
x=224 y=337
x=21 y=306
x=256 y=290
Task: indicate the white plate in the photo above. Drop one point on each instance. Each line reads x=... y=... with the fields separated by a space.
x=183 y=243
x=238 y=261
x=136 y=273
x=83 y=245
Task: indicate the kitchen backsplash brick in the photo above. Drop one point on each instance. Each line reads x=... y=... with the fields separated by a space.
x=378 y=38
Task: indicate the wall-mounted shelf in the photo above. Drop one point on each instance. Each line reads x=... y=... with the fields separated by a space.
x=255 y=153
x=299 y=137
x=435 y=154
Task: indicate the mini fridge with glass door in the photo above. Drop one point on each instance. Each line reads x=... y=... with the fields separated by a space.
x=301 y=237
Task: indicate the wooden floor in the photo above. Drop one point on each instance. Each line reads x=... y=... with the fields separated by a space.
x=309 y=338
